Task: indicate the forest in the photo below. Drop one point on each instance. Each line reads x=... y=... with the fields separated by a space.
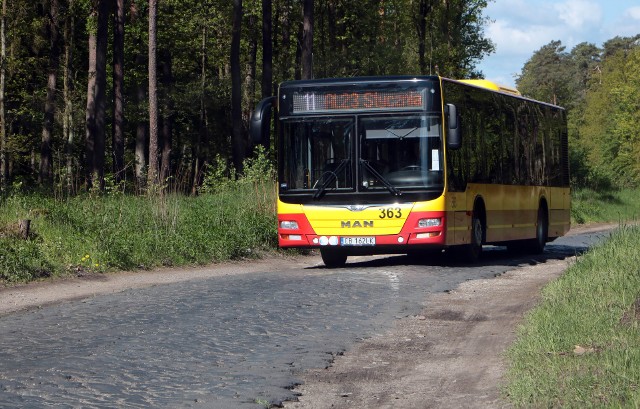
x=600 y=87
x=143 y=93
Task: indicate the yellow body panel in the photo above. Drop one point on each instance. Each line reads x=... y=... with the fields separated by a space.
x=338 y=220
x=511 y=212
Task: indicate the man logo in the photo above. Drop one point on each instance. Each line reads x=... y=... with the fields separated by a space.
x=348 y=224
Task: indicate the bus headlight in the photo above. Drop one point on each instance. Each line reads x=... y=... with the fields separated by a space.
x=429 y=222
x=289 y=225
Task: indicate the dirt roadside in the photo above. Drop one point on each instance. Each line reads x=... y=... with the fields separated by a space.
x=449 y=356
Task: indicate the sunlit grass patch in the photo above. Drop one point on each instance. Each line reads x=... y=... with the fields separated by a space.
x=111 y=232
x=581 y=346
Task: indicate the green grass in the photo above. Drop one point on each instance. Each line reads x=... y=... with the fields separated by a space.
x=581 y=346
x=595 y=305
x=589 y=206
x=122 y=232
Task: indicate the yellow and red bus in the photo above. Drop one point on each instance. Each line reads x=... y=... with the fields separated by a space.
x=379 y=165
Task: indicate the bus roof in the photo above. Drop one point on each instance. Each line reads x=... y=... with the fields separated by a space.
x=360 y=80
x=493 y=86
x=403 y=81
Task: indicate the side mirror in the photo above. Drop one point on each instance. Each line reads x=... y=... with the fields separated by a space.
x=261 y=122
x=454 y=136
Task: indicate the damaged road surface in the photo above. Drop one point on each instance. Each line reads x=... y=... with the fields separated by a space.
x=382 y=332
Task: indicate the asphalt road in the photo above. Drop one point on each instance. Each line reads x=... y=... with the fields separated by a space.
x=225 y=342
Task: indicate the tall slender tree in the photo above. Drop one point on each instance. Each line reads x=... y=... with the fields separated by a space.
x=4 y=162
x=140 y=98
x=118 y=91
x=424 y=7
x=307 y=40
x=153 y=175
x=236 y=88
x=267 y=49
x=68 y=131
x=167 y=115
x=46 y=149
x=90 y=111
x=101 y=91
x=250 y=71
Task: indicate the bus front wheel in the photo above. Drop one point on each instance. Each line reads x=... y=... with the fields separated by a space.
x=471 y=252
x=333 y=258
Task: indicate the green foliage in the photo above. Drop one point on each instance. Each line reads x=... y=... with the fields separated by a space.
x=581 y=345
x=600 y=89
x=257 y=170
x=593 y=206
x=547 y=75
x=350 y=38
x=116 y=231
x=374 y=38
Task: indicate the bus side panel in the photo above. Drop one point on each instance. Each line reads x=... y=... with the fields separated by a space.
x=559 y=211
x=458 y=219
x=511 y=211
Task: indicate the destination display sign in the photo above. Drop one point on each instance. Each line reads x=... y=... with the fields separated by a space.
x=313 y=102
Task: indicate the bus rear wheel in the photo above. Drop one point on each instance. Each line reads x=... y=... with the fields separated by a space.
x=542 y=232
x=333 y=258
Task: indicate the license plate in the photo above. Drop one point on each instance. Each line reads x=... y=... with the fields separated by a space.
x=357 y=241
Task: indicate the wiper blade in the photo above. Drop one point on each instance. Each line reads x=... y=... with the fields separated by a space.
x=405 y=132
x=331 y=176
x=381 y=178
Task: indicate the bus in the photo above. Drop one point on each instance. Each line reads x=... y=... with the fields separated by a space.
x=392 y=165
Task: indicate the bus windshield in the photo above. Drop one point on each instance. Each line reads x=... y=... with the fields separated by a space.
x=317 y=155
x=400 y=151
x=394 y=152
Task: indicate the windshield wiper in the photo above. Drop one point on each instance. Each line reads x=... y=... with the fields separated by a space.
x=381 y=178
x=332 y=175
x=405 y=132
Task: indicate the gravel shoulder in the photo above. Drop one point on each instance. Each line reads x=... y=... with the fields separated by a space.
x=451 y=355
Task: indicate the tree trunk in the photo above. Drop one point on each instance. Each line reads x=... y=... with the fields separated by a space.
x=141 y=98
x=333 y=34
x=298 y=58
x=24 y=228
x=101 y=91
x=282 y=53
x=118 y=92
x=153 y=173
x=90 y=117
x=67 y=119
x=46 y=151
x=421 y=31
x=4 y=160
x=167 y=119
x=307 y=40
x=236 y=89
x=250 y=79
x=201 y=136
x=267 y=50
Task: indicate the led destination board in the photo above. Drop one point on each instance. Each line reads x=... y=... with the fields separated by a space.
x=309 y=102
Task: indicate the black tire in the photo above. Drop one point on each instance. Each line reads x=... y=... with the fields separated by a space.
x=333 y=258
x=542 y=232
x=471 y=252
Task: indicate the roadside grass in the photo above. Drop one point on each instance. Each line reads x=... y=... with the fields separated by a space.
x=581 y=346
x=589 y=206
x=123 y=232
